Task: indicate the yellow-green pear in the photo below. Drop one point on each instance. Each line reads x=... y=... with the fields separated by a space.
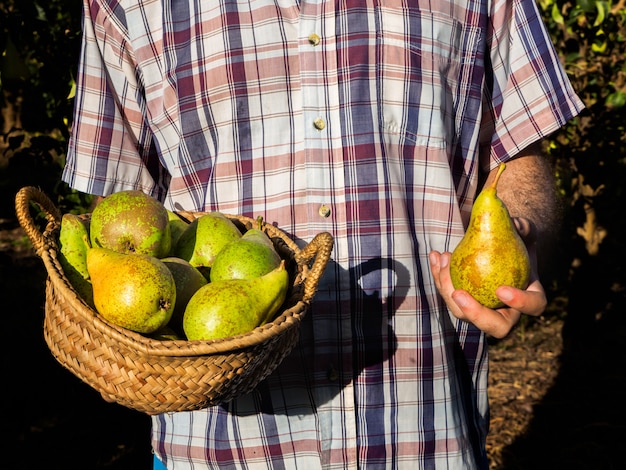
x=257 y=234
x=73 y=246
x=235 y=306
x=131 y=222
x=250 y=256
x=166 y=333
x=131 y=290
x=491 y=253
x=204 y=238
x=177 y=227
x=188 y=280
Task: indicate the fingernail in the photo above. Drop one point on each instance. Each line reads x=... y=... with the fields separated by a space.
x=445 y=258
x=460 y=299
x=432 y=256
x=505 y=294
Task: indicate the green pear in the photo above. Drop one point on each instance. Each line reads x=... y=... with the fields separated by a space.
x=177 y=227
x=166 y=333
x=131 y=290
x=73 y=246
x=131 y=222
x=235 y=306
x=491 y=253
x=257 y=234
x=250 y=256
x=204 y=238
x=188 y=280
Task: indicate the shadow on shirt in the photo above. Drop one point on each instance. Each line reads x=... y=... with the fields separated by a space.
x=318 y=369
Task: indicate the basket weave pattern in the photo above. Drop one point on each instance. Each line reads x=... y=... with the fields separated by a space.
x=154 y=376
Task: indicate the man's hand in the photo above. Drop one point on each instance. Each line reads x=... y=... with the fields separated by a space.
x=497 y=323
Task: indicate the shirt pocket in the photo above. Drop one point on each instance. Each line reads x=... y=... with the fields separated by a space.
x=430 y=76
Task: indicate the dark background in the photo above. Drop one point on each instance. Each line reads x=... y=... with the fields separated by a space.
x=51 y=419
x=557 y=383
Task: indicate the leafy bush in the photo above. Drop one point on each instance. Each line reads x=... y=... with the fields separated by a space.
x=590 y=151
x=40 y=42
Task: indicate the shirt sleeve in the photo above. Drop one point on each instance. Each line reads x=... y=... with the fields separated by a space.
x=527 y=93
x=110 y=147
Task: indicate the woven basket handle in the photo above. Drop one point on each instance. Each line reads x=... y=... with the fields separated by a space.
x=319 y=248
x=23 y=198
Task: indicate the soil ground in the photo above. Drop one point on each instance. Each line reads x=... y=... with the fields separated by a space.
x=556 y=387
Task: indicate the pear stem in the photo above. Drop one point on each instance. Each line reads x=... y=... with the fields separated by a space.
x=497 y=178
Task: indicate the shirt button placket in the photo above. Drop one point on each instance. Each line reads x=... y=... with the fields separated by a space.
x=320 y=106
x=315 y=101
x=319 y=123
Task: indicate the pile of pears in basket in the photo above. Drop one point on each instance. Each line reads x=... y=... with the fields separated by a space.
x=143 y=268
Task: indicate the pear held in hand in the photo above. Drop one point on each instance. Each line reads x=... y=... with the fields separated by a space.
x=491 y=254
x=131 y=290
x=235 y=306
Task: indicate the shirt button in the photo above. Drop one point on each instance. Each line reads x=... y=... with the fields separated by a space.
x=324 y=210
x=319 y=123
x=314 y=39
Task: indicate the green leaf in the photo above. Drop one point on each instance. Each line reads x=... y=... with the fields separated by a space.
x=585 y=5
x=599 y=48
x=545 y=4
x=602 y=9
x=41 y=13
x=72 y=92
x=616 y=100
x=556 y=14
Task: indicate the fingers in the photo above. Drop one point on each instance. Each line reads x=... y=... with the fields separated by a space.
x=497 y=323
x=532 y=301
x=438 y=263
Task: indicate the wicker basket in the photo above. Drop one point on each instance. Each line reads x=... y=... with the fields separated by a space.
x=155 y=376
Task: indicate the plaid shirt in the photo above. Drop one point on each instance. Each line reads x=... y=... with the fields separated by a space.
x=367 y=119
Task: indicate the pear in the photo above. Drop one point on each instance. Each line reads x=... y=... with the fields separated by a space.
x=131 y=222
x=177 y=227
x=188 y=280
x=73 y=246
x=166 y=333
x=257 y=234
x=204 y=237
x=491 y=254
x=250 y=256
x=131 y=290
x=235 y=306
